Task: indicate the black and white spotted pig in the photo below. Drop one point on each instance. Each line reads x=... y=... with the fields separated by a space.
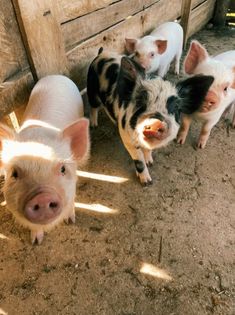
x=146 y=110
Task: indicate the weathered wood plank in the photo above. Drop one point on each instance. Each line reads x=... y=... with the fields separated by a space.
x=12 y=54
x=15 y=92
x=200 y=16
x=91 y=24
x=113 y=39
x=75 y=8
x=42 y=36
x=186 y=10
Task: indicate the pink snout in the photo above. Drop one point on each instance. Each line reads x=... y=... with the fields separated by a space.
x=43 y=208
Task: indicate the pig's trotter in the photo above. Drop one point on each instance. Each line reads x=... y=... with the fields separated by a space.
x=148 y=157
x=71 y=218
x=94 y=117
x=37 y=237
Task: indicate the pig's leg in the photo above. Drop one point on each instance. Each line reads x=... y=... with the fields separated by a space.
x=94 y=117
x=233 y=120
x=184 y=128
x=71 y=216
x=137 y=156
x=204 y=135
x=95 y=104
x=163 y=70
x=148 y=157
x=37 y=236
x=177 y=62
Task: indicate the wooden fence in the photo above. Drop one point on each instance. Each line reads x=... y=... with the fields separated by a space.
x=43 y=37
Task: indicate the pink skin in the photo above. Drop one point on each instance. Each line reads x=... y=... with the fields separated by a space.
x=216 y=100
x=43 y=208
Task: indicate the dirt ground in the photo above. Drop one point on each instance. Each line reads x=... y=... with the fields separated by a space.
x=183 y=226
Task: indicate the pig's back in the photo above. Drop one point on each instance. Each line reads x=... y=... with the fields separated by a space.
x=171 y=31
x=56 y=100
x=228 y=58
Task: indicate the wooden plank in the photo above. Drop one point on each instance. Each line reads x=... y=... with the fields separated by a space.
x=200 y=16
x=75 y=8
x=42 y=36
x=113 y=39
x=185 y=17
x=12 y=54
x=80 y=29
x=196 y=3
x=15 y=92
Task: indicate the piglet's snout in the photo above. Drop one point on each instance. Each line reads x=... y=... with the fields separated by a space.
x=43 y=208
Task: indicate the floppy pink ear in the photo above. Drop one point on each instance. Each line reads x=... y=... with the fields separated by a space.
x=130 y=44
x=78 y=133
x=196 y=54
x=161 y=45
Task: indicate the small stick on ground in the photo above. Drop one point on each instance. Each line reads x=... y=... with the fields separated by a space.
x=160 y=250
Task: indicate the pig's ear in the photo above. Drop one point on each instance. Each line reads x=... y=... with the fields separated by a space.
x=130 y=69
x=78 y=132
x=161 y=45
x=196 y=54
x=129 y=72
x=192 y=92
x=130 y=44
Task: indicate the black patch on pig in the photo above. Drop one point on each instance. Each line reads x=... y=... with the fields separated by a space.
x=101 y=63
x=111 y=75
x=93 y=88
x=141 y=102
x=139 y=165
x=130 y=71
x=124 y=121
x=173 y=107
x=192 y=92
x=158 y=116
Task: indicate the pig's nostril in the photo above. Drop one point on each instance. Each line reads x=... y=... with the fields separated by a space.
x=53 y=205
x=36 y=207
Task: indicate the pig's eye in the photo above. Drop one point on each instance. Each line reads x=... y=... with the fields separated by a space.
x=152 y=54
x=226 y=89
x=62 y=170
x=14 y=174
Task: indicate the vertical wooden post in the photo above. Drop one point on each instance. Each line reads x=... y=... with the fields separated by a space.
x=42 y=36
x=185 y=17
x=221 y=9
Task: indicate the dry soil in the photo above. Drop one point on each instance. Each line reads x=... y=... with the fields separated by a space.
x=182 y=226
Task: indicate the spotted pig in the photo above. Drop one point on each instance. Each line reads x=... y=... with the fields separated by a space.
x=146 y=109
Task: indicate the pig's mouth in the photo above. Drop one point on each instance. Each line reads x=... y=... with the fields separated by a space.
x=42 y=207
x=158 y=130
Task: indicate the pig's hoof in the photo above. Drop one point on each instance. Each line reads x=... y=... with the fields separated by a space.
x=149 y=163
x=148 y=183
x=181 y=139
x=201 y=145
x=36 y=237
x=70 y=219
